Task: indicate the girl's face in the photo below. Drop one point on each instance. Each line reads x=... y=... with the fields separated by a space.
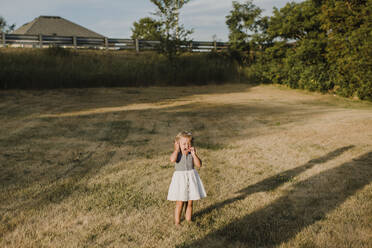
x=185 y=144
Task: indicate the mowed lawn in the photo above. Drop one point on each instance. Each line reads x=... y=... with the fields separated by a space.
x=90 y=167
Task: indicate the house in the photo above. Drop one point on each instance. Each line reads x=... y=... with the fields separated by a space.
x=57 y=26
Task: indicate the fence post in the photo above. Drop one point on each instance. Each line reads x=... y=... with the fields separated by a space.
x=3 y=39
x=137 y=46
x=106 y=43
x=40 y=40
x=215 y=45
x=74 y=42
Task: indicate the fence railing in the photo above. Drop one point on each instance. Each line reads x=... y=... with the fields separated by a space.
x=43 y=41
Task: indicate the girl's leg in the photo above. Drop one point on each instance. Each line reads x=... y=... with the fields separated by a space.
x=177 y=212
x=189 y=210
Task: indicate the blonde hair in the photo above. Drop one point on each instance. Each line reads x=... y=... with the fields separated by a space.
x=185 y=134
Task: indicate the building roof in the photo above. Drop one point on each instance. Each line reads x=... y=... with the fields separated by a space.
x=55 y=25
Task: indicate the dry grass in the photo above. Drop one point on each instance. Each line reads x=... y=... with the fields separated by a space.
x=55 y=68
x=89 y=167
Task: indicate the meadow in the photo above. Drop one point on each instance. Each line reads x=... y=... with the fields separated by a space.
x=57 y=67
x=90 y=167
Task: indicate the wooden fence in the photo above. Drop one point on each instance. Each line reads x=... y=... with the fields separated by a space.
x=43 y=41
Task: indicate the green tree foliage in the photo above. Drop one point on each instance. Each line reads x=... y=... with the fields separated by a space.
x=295 y=21
x=173 y=36
x=315 y=45
x=146 y=29
x=299 y=58
x=4 y=27
x=243 y=23
x=348 y=24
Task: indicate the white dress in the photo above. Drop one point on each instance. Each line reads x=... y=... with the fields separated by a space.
x=186 y=184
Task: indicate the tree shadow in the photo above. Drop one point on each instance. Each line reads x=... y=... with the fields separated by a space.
x=275 y=181
x=86 y=138
x=34 y=157
x=18 y=103
x=308 y=202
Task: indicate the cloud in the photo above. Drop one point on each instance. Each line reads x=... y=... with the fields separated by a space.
x=114 y=18
x=200 y=7
x=208 y=17
x=116 y=28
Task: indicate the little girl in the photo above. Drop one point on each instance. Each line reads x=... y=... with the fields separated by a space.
x=186 y=185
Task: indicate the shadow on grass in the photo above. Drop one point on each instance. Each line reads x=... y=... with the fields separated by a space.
x=21 y=103
x=308 y=202
x=84 y=139
x=274 y=182
x=61 y=153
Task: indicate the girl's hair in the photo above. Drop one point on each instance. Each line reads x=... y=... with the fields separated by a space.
x=185 y=134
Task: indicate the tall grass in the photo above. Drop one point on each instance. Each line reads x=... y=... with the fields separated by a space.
x=62 y=68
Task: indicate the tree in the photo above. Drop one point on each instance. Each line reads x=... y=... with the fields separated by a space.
x=244 y=23
x=242 y=20
x=146 y=29
x=348 y=24
x=298 y=53
x=173 y=36
x=314 y=45
x=4 y=27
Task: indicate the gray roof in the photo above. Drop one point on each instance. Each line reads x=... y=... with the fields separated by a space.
x=55 y=25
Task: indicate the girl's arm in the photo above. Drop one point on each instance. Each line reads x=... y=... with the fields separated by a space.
x=197 y=161
x=174 y=155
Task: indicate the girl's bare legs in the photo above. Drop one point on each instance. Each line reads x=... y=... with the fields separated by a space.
x=189 y=211
x=177 y=212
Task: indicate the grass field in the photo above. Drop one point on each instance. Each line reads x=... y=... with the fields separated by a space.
x=90 y=167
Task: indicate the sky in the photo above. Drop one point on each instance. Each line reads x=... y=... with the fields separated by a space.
x=114 y=18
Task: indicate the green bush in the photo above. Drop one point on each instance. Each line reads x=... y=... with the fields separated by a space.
x=315 y=45
x=349 y=46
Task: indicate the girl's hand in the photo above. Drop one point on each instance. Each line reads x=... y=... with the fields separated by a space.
x=176 y=146
x=193 y=151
